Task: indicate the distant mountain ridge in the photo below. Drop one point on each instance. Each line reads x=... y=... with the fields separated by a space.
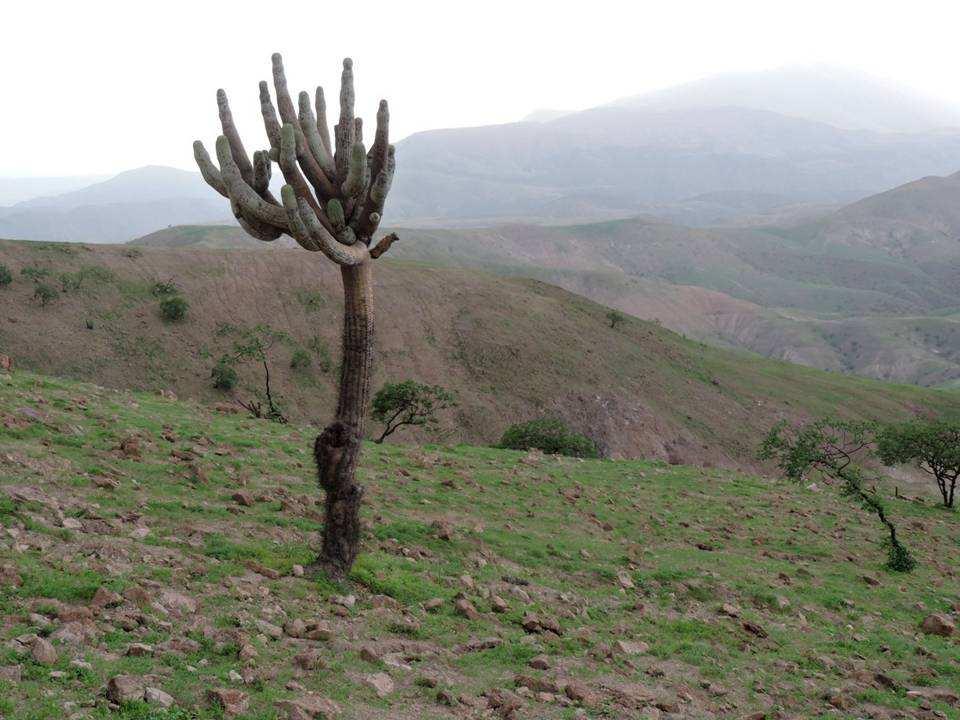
x=840 y=97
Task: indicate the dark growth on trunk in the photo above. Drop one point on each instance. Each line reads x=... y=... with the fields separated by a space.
x=332 y=202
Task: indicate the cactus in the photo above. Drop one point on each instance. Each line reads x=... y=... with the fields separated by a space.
x=332 y=202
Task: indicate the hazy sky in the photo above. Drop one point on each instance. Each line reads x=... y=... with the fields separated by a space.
x=98 y=87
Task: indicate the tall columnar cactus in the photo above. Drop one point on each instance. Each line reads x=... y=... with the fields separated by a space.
x=332 y=203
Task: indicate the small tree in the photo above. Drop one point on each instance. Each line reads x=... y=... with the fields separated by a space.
x=615 y=317
x=300 y=359
x=254 y=345
x=549 y=435
x=6 y=277
x=44 y=294
x=409 y=403
x=830 y=446
x=933 y=446
x=174 y=309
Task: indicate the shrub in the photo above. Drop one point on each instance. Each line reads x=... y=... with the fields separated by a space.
x=70 y=282
x=549 y=435
x=174 y=309
x=31 y=272
x=224 y=374
x=409 y=403
x=45 y=294
x=320 y=349
x=164 y=288
x=300 y=360
x=933 y=446
x=5 y=276
x=615 y=317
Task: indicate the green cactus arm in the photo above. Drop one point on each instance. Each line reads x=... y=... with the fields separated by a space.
x=321 y=104
x=316 y=235
x=345 y=128
x=308 y=125
x=336 y=215
x=230 y=131
x=249 y=203
x=209 y=171
x=367 y=218
x=291 y=172
x=354 y=184
x=253 y=227
x=270 y=121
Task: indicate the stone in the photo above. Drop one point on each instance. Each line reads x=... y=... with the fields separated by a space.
x=730 y=610
x=499 y=605
x=11 y=673
x=156 y=696
x=232 y=702
x=938 y=624
x=242 y=497
x=540 y=662
x=43 y=652
x=754 y=629
x=381 y=683
x=630 y=647
x=124 y=688
x=433 y=604
x=104 y=598
x=308 y=660
x=465 y=608
x=139 y=650
x=936 y=694
x=310 y=706
x=295 y=628
x=269 y=629
x=318 y=630
x=178 y=602
x=626 y=582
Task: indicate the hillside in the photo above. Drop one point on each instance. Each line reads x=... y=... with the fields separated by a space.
x=117 y=209
x=840 y=97
x=617 y=161
x=151 y=549
x=510 y=348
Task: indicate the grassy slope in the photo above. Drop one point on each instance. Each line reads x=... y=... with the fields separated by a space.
x=548 y=535
x=509 y=348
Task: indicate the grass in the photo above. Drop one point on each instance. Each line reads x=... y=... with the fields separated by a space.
x=551 y=536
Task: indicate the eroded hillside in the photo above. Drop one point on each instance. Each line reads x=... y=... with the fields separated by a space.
x=510 y=349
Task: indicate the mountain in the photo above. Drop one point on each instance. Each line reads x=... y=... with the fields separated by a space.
x=17 y=189
x=869 y=288
x=510 y=348
x=837 y=96
x=116 y=210
x=617 y=161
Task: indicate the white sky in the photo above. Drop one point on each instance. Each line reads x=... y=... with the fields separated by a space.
x=96 y=86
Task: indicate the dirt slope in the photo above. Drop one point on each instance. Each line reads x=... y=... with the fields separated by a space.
x=511 y=349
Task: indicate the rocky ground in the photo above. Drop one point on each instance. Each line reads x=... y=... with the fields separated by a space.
x=151 y=556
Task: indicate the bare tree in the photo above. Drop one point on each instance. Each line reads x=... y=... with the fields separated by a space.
x=332 y=203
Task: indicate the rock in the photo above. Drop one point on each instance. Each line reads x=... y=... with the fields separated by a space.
x=537 y=684
x=11 y=673
x=130 y=447
x=138 y=650
x=782 y=602
x=308 y=660
x=465 y=608
x=232 y=702
x=43 y=652
x=499 y=605
x=71 y=523
x=540 y=662
x=156 y=696
x=124 y=688
x=297 y=571
x=9 y=577
x=247 y=653
x=730 y=610
x=433 y=604
x=178 y=602
x=938 y=624
x=318 y=630
x=626 y=582
x=241 y=497
x=370 y=654
x=269 y=629
x=295 y=628
x=104 y=598
x=310 y=706
x=579 y=693
x=936 y=694
x=381 y=683
x=754 y=629
x=347 y=601
x=444 y=529
x=6 y=363
x=631 y=647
